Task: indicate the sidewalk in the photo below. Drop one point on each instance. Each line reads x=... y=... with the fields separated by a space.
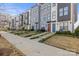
x=30 y=47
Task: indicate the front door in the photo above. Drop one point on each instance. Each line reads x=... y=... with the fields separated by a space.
x=53 y=28
x=49 y=27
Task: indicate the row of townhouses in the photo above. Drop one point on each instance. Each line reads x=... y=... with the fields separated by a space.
x=50 y=17
x=4 y=23
x=20 y=21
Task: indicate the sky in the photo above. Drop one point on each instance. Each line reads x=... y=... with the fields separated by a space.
x=17 y=8
x=78 y=8
x=14 y=8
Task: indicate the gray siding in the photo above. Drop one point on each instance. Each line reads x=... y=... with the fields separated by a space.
x=66 y=17
x=45 y=15
x=34 y=17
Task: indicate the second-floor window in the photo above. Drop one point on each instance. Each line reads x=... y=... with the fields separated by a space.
x=49 y=16
x=61 y=12
x=54 y=4
x=53 y=14
x=65 y=10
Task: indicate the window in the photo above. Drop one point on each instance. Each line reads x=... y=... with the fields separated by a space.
x=54 y=4
x=61 y=28
x=53 y=14
x=48 y=8
x=65 y=28
x=61 y=12
x=65 y=10
x=49 y=16
x=44 y=18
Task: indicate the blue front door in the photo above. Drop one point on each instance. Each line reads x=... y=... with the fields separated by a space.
x=53 y=28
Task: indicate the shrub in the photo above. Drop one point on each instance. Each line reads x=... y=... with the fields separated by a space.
x=17 y=33
x=42 y=40
x=58 y=32
x=8 y=28
x=43 y=29
x=77 y=32
x=74 y=34
x=32 y=29
x=38 y=30
x=64 y=32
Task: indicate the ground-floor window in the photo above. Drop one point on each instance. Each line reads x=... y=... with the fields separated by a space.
x=63 y=28
x=32 y=27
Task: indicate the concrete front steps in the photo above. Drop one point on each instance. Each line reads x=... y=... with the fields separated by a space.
x=43 y=37
x=38 y=35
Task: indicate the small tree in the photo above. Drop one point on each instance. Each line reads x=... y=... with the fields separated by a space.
x=77 y=32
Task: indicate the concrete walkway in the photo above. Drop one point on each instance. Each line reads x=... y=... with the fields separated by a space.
x=30 y=47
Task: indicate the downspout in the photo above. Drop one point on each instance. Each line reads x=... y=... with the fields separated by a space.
x=51 y=17
x=72 y=22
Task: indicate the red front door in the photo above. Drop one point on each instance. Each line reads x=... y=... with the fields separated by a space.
x=49 y=27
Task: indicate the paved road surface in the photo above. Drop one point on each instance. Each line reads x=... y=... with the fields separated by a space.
x=33 y=48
